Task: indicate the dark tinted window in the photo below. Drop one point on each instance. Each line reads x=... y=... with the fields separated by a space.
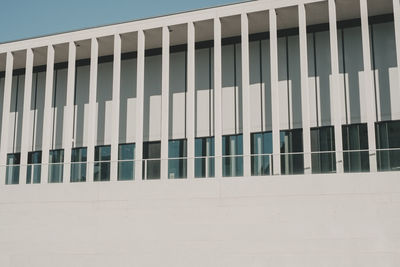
x=292 y=159
x=56 y=166
x=102 y=166
x=204 y=153
x=12 y=168
x=177 y=162
x=323 y=141
x=388 y=145
x=152 y=162
x=261 y=145
x=232 y=151
x=126 y=164
x=355 y=147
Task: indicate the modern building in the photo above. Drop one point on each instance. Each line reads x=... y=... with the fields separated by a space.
x=263 y=133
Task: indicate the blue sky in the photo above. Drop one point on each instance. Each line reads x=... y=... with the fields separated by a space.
x=21 y=19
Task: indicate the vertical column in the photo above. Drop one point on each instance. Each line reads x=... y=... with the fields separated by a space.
x=304 y=88
x=92 y=127
x=396 y=13
x=165 y=103
x=190 y=118
x=139 y=105
x=335 y=92
x=217 y=97
x=246 y=94
x=47 y=121
x=26 y=115
x=369 y=87
x=69 y=110
x=115 y=106
x=274 y=92
x=6 y=115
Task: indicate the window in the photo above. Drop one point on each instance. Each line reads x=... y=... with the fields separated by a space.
x=323 y=147
x=78 y=164
x=56 y=166
x=177 y=161
x=102 y=158
x=355 y=148
x=388 y=145
x=151 y=162
x=232 y=151
x=12 y=168
x=33 y=171
x=261 y=148
x=126 y=164
x=292 y=158
x=204 y=161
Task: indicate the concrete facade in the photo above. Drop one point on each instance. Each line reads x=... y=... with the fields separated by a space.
x=263 y=66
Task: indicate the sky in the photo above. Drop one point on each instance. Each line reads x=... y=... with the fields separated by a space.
x=21 y=19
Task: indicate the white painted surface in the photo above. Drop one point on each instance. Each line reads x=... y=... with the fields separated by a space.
x=318 y=220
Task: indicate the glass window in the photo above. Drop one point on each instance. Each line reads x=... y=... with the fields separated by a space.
x=12 y=168
x=126 y=164
x=56 y=166
x=292 y=158
x=232 y=151
x=177 y=161
x=205 y=161
x=102 y=158
x=78 y=164
x=323 y=148
x=33 y=171
x=388 y=145
x=355 y=148
x=151 y=162
x=261 y=148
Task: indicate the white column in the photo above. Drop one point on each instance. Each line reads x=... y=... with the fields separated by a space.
x=115 y=107
x=92 y=127
x=69 y=111
x=139 y=105
x=26 y=115
x=47 y=116
x=245 y=94
x=335 y=92
x=190 y=118
x=217 y=97
x=304 y=88
x=165 y=103
x=274 y=92
x=6 y=115
x=396 y=14
x=369 y=86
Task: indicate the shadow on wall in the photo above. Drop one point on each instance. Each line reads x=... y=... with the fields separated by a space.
x=81 y=102
x=127 y=112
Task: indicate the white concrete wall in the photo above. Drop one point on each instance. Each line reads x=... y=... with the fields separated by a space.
x=177 y=96
x=104 y=104
x=260 y=86
x=204 y=83
x=127 y=119
x=232 y=122
x=289 y=89
x=152 y=99
x=82 y=106
x=318 y=220
x=15 y=114
x=386 y=78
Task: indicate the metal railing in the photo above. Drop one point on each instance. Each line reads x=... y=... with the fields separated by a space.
x=204 y=166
